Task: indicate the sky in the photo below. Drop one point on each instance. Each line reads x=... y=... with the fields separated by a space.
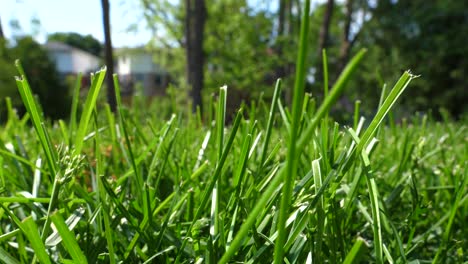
x=85 y=17
x=80 y=16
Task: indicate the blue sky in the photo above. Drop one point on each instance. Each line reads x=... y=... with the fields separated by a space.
x=85 y=17
x=81 y=16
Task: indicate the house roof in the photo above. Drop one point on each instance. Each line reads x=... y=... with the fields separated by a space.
x=60 y=46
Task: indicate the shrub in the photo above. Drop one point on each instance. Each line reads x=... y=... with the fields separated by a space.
x=42 y=76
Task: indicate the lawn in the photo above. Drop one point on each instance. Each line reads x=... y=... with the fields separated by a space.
x=283 y=184
x=135 y=187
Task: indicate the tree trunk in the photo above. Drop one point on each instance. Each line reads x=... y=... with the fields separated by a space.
x=194 y=28
x=324 y=36
x=346 y=42
x=281 y=16
x=281 y=37
x=289 y=30
x=2 y=36
x=108 y=55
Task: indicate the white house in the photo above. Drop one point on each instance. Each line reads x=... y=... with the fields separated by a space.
x=71 y=60
x=135 y=66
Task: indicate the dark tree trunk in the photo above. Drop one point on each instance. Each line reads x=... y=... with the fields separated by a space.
x=108 y=55
x=281 y=37
x=282 y=17
x=2 y=36
x=289 y=28
x=346 y=42
x=324 y=36
x=194 y=28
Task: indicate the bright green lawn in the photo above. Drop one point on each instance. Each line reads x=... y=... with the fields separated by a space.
x=286 y=185
x=150 y=190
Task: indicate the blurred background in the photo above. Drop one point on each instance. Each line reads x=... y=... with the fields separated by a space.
x=187 y=49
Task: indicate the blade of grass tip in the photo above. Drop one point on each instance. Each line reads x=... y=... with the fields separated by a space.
x=201 y=152
x=271 y=118
x=396 y=92
x=330 y=99
x=31 y=107
x=74 y=107
x=220 y=118
x=90 y=104
x=51 y=154
x=291 y=157
x=68 y=238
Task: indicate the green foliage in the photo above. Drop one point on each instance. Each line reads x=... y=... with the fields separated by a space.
x=87 y=43
x=238 y=44
x=42 y=76
x=7 y=82
x=242 y=47
x=424 y=36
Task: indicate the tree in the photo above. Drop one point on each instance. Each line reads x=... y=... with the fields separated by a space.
x=111 y=99
x=423 y=36
x=41 y=74
x=184 y=24
x=87 y=43
x=2 y=36
x=237 y=43
x=284 y=43
x=194 y=28
x=346 y=42
x=324 y=35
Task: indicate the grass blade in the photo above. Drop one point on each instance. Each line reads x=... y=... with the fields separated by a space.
x=88 y=108
x=69 y=240
x=35 y=113
x=74 y=107
x=271 y=118
x=6 y=258
x=292 y=154
x=355 y=252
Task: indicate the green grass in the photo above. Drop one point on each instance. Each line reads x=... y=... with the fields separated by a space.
x=286 y=185
x=144 y=189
